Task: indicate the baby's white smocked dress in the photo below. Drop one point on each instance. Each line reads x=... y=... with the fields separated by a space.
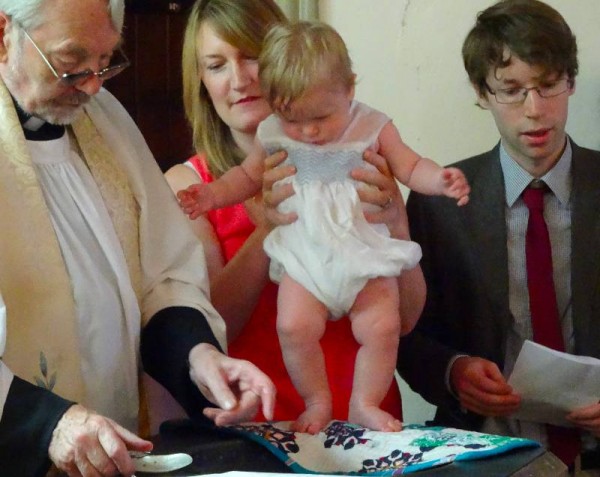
x=331 y=249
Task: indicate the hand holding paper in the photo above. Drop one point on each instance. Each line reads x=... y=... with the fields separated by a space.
x=552 y=384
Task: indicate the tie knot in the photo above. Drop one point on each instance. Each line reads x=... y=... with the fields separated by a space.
x=534 y=197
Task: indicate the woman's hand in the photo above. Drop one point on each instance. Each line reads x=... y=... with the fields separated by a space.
x=272 y=197
x=384 y=192
x=262 y=208
x=255 y=208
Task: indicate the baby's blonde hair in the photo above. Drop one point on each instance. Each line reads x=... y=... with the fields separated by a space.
x=297 y=56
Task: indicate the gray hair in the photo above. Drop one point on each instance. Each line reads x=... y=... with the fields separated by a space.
x=26 y=12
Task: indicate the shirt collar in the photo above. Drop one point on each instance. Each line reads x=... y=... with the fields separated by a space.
x=27 y=120
x=516 y=179
x=36 y=129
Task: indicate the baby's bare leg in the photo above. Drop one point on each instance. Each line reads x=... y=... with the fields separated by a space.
x=376 y=327
x=301 y=320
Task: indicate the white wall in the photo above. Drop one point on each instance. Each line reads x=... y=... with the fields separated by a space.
x=407 y=58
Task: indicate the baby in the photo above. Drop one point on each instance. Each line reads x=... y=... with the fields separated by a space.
x=330 y=262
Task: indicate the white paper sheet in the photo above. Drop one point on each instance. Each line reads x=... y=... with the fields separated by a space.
x=552 y=384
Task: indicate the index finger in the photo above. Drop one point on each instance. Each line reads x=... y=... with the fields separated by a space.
x=493 y=382
x=245 y=411
x=481 y=374
x=219 y=388
x=271 y=176
x=116 y=450
x=274 y=160
x=378 y=161
x=267 y=397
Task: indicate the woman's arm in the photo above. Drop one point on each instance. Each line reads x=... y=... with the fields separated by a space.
x=273 y=197
x=236 y=286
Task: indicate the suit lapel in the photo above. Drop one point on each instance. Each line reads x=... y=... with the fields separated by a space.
x=585 y=259
x=485 y=222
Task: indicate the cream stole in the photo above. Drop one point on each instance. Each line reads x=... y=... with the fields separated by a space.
x=42 y=341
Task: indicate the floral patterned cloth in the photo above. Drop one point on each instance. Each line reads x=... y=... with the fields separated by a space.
x=343 y=448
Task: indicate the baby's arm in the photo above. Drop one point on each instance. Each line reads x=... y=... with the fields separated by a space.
x=419 y=173
x=236 y=185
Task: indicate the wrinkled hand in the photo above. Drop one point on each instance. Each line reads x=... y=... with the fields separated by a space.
x=196 y=200
x=237 y=386
x=383 y=192
x=455 y=185
x=481 y=388
x=587 y=418
x=273 y=196
x=87 y=444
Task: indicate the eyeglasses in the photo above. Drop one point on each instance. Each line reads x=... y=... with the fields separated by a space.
x=76 y=79
x=517 y=95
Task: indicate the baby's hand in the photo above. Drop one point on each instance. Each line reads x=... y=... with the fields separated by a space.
x=196 y=200
x=455 y=185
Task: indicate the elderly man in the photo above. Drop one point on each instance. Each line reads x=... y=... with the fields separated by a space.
x=93 y=248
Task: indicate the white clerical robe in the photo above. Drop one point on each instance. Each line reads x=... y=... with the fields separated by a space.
x=107 y=310
x=171 y=270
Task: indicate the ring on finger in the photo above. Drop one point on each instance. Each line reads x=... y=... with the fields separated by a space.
x=388 y=202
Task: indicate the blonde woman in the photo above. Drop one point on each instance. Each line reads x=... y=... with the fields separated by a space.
x=331 y=261
x=224 y=105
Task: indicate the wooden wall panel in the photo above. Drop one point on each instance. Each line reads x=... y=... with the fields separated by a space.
x=150 y=89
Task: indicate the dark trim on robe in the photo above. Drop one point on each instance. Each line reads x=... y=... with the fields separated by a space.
x=165 y=345
x=28 y=420
x=46 y=132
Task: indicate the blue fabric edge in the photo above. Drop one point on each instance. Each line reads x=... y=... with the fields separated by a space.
x=474 y=454
x=297 y=468
x=409 y=469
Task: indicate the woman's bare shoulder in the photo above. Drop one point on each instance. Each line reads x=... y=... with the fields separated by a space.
x=181 y=176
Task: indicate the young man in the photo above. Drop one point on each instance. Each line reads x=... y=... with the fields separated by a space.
x=93 y=246
x=521 y=58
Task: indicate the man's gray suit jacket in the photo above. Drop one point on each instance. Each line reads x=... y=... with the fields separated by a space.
x=465 y=263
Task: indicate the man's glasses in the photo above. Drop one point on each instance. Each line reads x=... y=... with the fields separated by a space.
x=76 y=79
x=517 y=95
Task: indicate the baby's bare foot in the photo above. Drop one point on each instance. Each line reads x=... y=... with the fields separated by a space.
x=314 y=418
x=374 y=418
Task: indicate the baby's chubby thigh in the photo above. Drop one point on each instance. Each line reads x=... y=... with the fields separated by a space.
x=374 y=314
x=301 y=317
